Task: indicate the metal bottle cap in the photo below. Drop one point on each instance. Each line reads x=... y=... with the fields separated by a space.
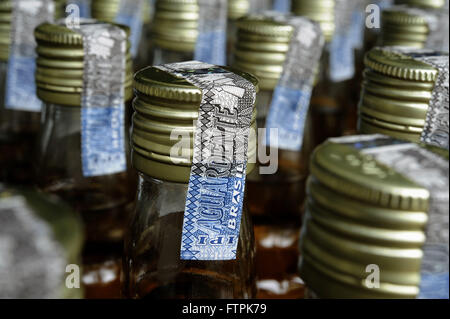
x=164 y=103
x=397 y=90
x=176 y=24
x=107 y=10
x=404 y=27
x=59 y=72
x=261 y=48
x=237 y=8
x=348 y=172
x=321 y=11
x=360 y=213
x=434 y=4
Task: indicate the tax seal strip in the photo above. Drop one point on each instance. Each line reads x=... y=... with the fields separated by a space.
x=212 y=27
x=292 y=95
x=215 y=194
x=20 y=85
x=102 y=99
x=428 y=170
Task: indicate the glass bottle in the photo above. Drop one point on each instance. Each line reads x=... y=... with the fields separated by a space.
x=357 y=244
x=275 y=200
x=41 y=246
x=333 y=104
x=18 y=128
x=106 y=201
x=152 y=267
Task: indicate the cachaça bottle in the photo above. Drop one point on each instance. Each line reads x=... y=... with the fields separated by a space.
x=41 y=243
x=84 y=78
x=172 y=249
x=275 y=199
x=19 y=106
x=377 y=222
x=333 y=102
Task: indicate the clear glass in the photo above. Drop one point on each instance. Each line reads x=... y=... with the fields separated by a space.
x=163 y=56
x=104 y=202
x=18 y=132
x=275 y=204
x=152 y=267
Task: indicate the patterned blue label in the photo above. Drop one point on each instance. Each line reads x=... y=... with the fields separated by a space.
x=342 y=58
x=102 y=140
x=288 y=113
x=434 y=286
x=214 y=200
x=283 y=6
x=213 y=217
x=20 y=85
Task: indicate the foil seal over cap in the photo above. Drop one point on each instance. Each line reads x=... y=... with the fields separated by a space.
x=165 y=105
x=60 y=66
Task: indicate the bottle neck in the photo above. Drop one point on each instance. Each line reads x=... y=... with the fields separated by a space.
x=165 y=197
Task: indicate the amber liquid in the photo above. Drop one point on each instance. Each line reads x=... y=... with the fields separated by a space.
x=105 y=210
x=153 y=268
x=102 y=265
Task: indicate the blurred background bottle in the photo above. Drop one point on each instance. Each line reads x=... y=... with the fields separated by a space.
x=40 y=251
x=397 y=93
x=333 y=103
x=19 y=115
x=152 y=265
x=104 y=201
x=376 y=220
x=275 y=200
x=236 y=9
x=415 y=27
